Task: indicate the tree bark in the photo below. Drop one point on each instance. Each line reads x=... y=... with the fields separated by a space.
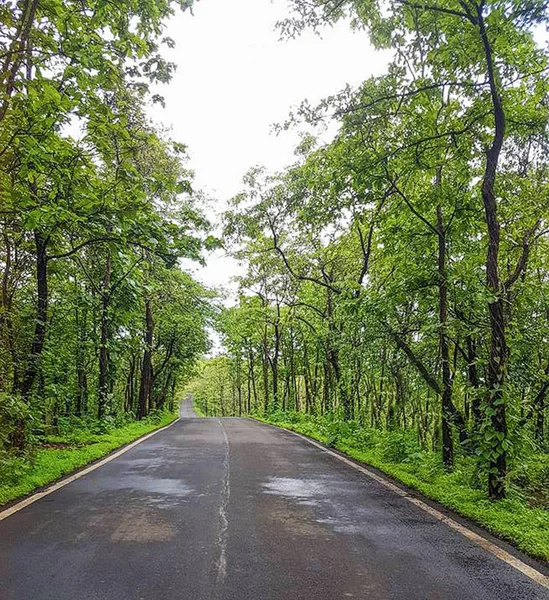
x=497 y=361
x=103 y=387
x=265 y=371
x=447 y=441
x=41 y=319
x=6 y=317
x=145 y=387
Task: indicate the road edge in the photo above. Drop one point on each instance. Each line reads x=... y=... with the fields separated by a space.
x=433 y=508
x=17 y=505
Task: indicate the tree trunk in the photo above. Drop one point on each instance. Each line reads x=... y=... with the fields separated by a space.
x=14 y=58
x=252 y=375
x=474 y=381
x=41 y=320
x=145 y=387
x=103 y=387
x=274 y=361
x=497 y=361
x=265 y=371
x=129 y=391
x=447 y=441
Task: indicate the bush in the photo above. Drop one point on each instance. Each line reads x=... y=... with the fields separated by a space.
x=15 y=421
x=400 y=447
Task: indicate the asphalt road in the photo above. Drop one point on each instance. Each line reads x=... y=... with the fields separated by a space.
x=233 y=509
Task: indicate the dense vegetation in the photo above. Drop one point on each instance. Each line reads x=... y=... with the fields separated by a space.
x=98 y=324
x=396 y=278
x=394 y=295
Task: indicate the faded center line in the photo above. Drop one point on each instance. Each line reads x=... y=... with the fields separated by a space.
x=222 y=515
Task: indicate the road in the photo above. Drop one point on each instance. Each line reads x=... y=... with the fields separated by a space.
x=236 y=510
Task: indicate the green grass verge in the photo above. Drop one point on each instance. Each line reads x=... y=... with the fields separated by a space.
x=512 y=519
x=50 y=463
x=199 y=412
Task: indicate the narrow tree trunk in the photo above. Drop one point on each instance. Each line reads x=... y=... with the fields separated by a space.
x=145 y=387
x=6 y=316
x=252 y=375
x=447 y=441
x=265 y=371
x=474 y=381
x=103 y=387
x=129 y=391
x=239 y=384
x=274 y=361
x=14 y=58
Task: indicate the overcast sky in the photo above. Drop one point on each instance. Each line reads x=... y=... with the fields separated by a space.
x=235 y=79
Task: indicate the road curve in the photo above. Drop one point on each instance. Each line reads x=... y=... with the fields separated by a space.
x=235 y=510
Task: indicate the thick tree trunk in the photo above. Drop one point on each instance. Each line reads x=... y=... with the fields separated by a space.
x=41 y=319
x=497 y=361
x=333 y=357
x=18 y=439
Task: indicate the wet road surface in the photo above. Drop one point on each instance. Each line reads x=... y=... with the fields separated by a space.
x=233 y=509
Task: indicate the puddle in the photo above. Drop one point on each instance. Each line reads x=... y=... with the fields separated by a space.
x=161 y=492
x=300 y=489
x=156 y=485
x=325 y=494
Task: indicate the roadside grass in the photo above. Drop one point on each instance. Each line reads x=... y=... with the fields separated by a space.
x=517 y=519
x=199 y=412
x=60 y=455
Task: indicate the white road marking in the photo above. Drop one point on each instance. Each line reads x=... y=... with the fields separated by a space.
x=56 y=486
x=222 y=513
x=489 y=546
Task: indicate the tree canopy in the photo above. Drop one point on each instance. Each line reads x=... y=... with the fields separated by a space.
x=97 y=207
x=396 y=275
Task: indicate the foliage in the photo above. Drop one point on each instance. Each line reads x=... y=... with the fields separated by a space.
x=525 y=524
x=63 y=454
x=396 y=275
x=99 y=325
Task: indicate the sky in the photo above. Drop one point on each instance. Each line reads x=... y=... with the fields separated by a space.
x=235 y=79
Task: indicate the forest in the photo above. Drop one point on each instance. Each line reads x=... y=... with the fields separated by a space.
x=392 y=299
x=98 y=324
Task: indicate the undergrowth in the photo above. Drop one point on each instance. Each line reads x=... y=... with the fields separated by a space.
x=522 y=518
x=75 y=444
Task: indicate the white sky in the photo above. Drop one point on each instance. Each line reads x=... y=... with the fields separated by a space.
x=235 y=79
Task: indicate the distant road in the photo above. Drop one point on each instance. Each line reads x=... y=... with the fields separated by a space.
x=235 y=510
x=186 y=410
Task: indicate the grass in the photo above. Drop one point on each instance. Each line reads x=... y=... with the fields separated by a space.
x=514 y=519
x=199 y=412
x=61 y=455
